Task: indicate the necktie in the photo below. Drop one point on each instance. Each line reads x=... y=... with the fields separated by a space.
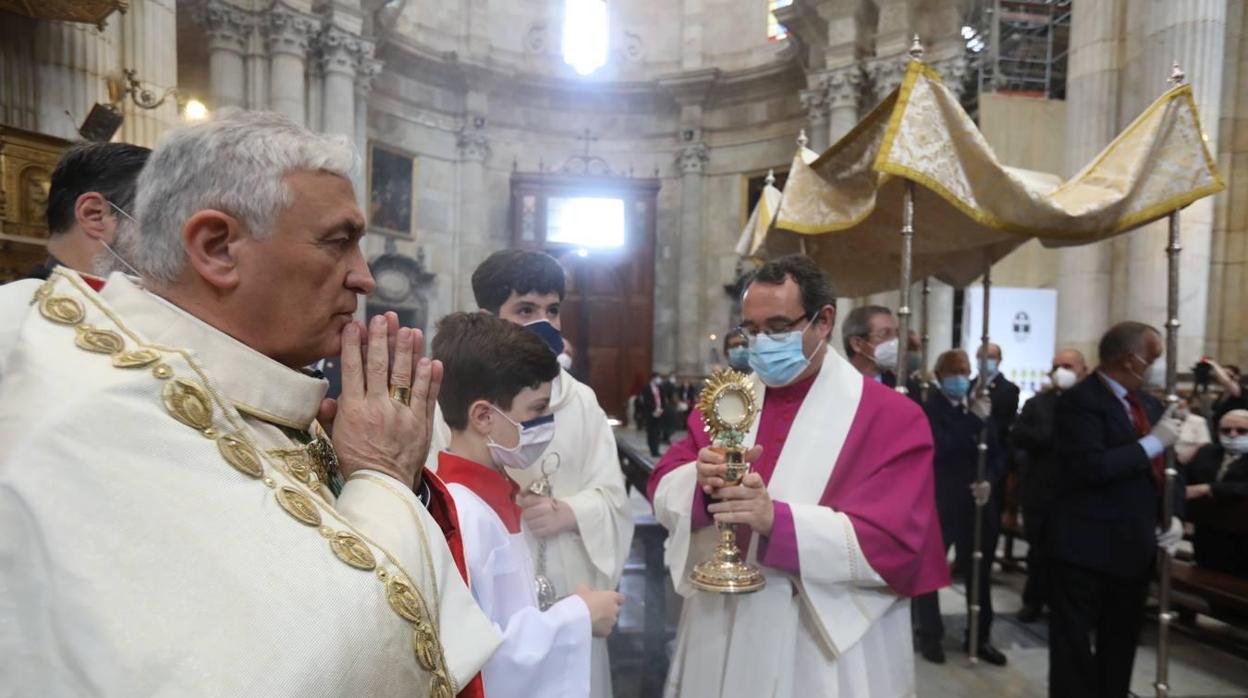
x=1142 y=428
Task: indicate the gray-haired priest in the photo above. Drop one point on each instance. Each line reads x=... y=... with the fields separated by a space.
x=173 y=519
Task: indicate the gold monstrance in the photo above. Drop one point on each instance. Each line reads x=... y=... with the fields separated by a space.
x=728 y=409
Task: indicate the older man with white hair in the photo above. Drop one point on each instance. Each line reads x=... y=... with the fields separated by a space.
x=175 y=520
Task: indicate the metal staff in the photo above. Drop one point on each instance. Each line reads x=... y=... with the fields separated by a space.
x=1164 y=615
x=923 y=348
x=907 y=252
x=981 y=465
x=903 y=311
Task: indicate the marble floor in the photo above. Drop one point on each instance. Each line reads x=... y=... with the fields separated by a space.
x=1208 y=659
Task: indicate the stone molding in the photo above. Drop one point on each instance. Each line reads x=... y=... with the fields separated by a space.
x=226 y=26
x=473 y=145
x=692 y=158
x=339 y=51
x=886 y=75
x=366 y=72
x=290 y=31
x=815 y=102
x=844 y=87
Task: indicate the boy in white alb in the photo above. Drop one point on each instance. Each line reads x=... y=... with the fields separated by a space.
x=496 y=401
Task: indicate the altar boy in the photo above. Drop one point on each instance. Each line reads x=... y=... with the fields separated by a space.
x=496 y=400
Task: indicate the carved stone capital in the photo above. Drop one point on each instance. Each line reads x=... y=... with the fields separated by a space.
x=367 y=71
x=886 y=75
x=953 y=72
x=844 y=87
x=473 y=145
x=815 y=102
x=226 y=26
x=339 y=51
x=290 y=31
x=692 y=158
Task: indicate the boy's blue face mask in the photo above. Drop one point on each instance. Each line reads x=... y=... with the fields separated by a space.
x=739 y=358
x=955 y=387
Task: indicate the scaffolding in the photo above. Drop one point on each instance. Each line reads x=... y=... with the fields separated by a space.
x=1020 y=47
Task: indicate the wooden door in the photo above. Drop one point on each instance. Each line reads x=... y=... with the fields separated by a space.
x=608 y=312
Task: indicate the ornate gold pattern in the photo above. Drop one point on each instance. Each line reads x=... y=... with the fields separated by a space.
x=299 y=506
x=296 y=461
x=62 y=309
x=351 y=550
x=137 y=358
x=191 y=402
x=188 y=403
x=723 y=387
x=240 y=454
x=98 y=341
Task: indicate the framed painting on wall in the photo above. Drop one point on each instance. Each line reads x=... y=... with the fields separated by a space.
x=391 y=190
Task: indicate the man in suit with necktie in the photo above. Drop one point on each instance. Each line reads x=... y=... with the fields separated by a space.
x=1111 y=438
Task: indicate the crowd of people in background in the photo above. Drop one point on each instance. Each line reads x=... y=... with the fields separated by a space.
x=1076 y=471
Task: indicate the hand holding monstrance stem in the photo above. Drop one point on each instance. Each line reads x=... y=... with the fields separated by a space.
x=728 y=408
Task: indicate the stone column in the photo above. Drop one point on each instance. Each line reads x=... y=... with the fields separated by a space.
x=256 y=65
x=148 y=42
x=228 y=29
x=844 y=93
x=1192 y=33
x=691 y=160
x=475 y=237
x=340 y=57
x=72 y=63
x=288 y=34
x=1093 y=80
x=815 y=102
x=367 y=71
x=18 y=100
x=886 y=75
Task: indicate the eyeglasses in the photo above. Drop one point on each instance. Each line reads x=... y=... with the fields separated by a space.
x=775 y=331
x=1233 y=431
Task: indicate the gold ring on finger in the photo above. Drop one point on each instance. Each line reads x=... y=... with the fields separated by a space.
x=403 y=395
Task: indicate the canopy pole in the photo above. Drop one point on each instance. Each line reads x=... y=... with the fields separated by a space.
x=926 y=338
x=981 y=466
x=1164 y=615
x=903 y=310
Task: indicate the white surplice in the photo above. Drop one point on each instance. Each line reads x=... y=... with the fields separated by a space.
x=589 y=480
x=542 y=653
x=834 y=631
x=135 y=560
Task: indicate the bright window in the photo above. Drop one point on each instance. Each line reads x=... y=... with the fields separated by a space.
x=585 y=35
x=775 y=30
x=584 y=221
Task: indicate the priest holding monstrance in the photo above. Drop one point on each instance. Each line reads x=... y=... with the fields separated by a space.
x=835 y=521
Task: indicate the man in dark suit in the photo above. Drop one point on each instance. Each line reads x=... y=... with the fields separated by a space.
x=654 y=411
x=957 y=419
x=1002 y=392
x=1039 y=470
x=1111 y=437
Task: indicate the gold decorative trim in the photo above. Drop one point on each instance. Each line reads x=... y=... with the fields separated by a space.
x=240 y=454
x=298 y=505
x=196 y=398
x=98 y=341
x=351 y=550
x=137 y=358
x=188 y=403
x=62 y=309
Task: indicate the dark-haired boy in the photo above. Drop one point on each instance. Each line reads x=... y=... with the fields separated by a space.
x=585 y=523
x=496 y=401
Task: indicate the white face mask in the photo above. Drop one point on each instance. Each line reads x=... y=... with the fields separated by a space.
x=1064 y=378
x=1154 y=377
x=534 y=436
x=886 y=354
x=1237 y=445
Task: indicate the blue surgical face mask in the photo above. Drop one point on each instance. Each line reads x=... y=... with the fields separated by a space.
x=548 y=333
x=955 y=387
x=991 y=365
x=779 y=361
x=739 y=358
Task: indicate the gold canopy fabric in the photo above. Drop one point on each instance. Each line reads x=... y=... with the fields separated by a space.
x=845 y=208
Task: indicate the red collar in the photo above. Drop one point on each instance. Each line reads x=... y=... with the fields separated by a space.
x=498 y=491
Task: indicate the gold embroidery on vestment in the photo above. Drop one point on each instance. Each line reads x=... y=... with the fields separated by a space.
x=352 y=551
x=137 y=358
x=188 y=403
x=298 y=505
x=240 y=454
x=98 y=341
x=62 y=309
